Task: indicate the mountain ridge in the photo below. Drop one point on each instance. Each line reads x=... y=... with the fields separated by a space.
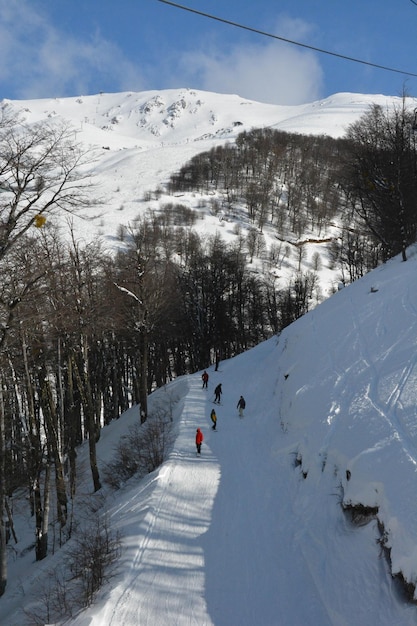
x=161 y=114
x=141 y=139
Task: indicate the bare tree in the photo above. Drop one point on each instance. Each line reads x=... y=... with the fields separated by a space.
x=42 y=173
x=381 y=176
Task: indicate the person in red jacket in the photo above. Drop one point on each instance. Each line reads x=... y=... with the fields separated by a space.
x=199 y=437
x=205 y=378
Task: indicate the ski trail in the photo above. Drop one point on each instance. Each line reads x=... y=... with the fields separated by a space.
x=178 y=512
x=386 y=410
x=342 y=378
x=150 y=521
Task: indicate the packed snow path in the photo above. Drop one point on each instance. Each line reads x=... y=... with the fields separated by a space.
x=213 y=529
x=166 y=577
x=252 y=532
x=237 y=537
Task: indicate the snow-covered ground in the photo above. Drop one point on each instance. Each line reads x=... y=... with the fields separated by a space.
x=253 y=532
x=140 y=139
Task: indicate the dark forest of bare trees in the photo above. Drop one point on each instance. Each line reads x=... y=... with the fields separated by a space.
x=85 y=334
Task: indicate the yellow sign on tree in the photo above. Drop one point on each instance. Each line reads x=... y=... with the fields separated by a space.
x=39 y=221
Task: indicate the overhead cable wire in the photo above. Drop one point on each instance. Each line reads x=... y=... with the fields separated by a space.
x=290 y=41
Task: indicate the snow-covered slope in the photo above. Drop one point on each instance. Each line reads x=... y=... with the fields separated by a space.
x=142 y=138
x=174 y=116
x=253 y=532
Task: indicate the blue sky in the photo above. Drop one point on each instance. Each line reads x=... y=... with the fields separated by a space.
x=57 y=48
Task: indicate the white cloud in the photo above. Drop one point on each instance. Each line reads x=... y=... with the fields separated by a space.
x=38 y=60
x=274 y=72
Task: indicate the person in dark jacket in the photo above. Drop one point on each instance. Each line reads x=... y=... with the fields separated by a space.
x=199 y=438
x=217 y=393
x=241 y=405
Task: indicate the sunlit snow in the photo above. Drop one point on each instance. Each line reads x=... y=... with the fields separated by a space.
x=253 y=532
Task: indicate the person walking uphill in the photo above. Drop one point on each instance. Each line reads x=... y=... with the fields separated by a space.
x=217 y=393
x=199 y=438
x=213 y=418
x=205 y=378
x=241 y=405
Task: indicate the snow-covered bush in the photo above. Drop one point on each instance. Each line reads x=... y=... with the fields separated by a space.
x=139 y=452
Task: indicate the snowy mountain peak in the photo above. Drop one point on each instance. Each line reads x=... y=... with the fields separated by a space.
x=182 y=115
x=141 y=139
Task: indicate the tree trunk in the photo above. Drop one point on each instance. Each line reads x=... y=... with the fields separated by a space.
x=143 y=382
x=42 y=534
x=89 y=422
x=35 y=453
x=51 y=428
x=72 y=429
x=38 y=517
x=3 y=553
